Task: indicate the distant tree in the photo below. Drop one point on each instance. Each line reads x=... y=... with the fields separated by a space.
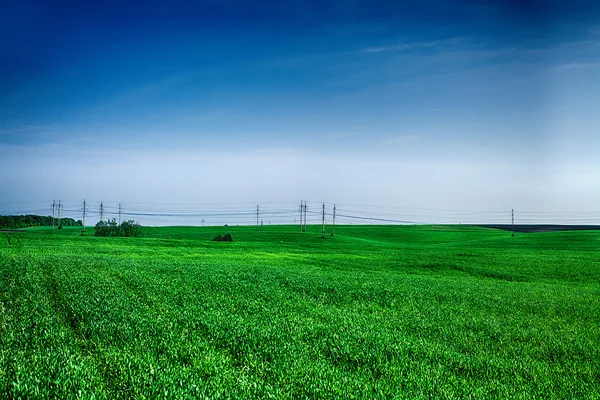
x=107 y=228
x=131 y=228
x=111 y=228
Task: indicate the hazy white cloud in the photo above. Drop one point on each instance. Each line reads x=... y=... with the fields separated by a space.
x=453 y=180
x=578 y=65
x=402 y=139
x=150 y=89
x=396 y=47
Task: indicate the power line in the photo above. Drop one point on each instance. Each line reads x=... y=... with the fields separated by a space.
x=280 y=212
x=377 y=219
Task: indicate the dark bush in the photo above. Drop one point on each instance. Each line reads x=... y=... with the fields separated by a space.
x=131 y=228
x=226 y=238
x=107 y=228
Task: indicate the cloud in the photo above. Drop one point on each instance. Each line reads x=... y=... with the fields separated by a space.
x=577 y=65
x=27 y=128
x=151 y=89
x=396 y=47
x=403 y=139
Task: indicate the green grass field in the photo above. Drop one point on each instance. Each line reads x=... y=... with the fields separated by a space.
x=376 y=312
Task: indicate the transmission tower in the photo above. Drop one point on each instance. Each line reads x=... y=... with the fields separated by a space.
x=513 y=222
x=59 y=222
x=53 y=205
x=305 y=211
x=101 y=212
x=301 y=211
x=120 y=209
x=323 y=221
x=333 y=227
x=84 y=211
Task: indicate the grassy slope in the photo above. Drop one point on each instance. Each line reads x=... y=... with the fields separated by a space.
x=377 y=311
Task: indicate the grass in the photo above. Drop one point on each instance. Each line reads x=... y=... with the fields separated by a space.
x=376 y=312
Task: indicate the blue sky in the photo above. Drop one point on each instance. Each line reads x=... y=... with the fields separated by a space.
x=467 y=104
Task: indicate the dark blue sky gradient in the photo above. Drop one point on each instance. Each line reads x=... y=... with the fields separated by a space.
x=98 y=48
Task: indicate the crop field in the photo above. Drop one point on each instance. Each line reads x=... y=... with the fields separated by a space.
x=374 y=312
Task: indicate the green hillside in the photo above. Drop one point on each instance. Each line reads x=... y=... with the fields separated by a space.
x=374 y=312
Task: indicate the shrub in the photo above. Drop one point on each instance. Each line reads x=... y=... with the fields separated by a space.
x=131 y=228
x=111 y=228
x=107 y=228
x=226 y=238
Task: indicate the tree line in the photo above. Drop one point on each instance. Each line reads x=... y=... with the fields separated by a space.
x=25 y=221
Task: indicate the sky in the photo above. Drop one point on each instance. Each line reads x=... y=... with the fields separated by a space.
x=472 y=107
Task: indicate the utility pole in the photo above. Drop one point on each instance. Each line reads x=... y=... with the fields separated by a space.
x=305 y=211
x=53 y=207
x=101 y=212
x=513 y=222
x=333 y=228
x=120 y=209
x=301 y=211
x=59 y=207
x=256 y=217
x=84 y=210
x=323 y=226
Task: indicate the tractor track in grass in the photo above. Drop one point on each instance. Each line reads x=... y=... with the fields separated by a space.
x=10 y=277
x=57 y=303
x=217 y=340
x=133 y=287
x=69 y=320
